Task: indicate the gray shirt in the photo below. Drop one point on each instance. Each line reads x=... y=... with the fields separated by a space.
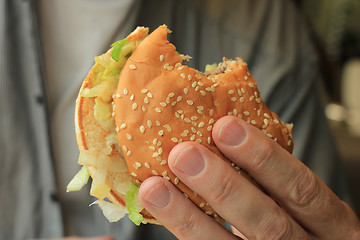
x=270 y=36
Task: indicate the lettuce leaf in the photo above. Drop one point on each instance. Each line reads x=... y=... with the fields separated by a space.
x=134 y=214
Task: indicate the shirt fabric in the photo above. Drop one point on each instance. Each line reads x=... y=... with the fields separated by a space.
x=48 y=48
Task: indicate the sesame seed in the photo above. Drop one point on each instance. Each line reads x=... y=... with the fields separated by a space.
x=166 y=65
x=258 y=100
x=266 y=115
x=251 y=98
x=132 y=97
x=163 y=162
x=125 y=91
x=246 y=113
x=177 y=114
x=155 y=141
x=251 y=85
x=192 y=138
x=157 y=110
x=149 y=123
x=180 y=68
x=186 y=91
x=231 y=91
x=143 y=108
x=144 y=90
x=133 y=174
x=233 y=99
x=198 y=76
x=258 y=112
x=160 y=151
x=171 y=94
x=132 y=66
x=174 y=139
x=152 y=148
x=242 y=90
x=118 y=95
x=198 y=140
x=149 y=94
x=176 y=181
x=193 y=84
x=211 y=112
x=117 y=129
x=189 y=102
x=178 y=64
x=134 y=106
x=155 y=154
x=157 y=123
x=193 y=129
x=137 y=164
x=155 y=172
x=253 y=122
x=194 y=118
x=269 y=135
x=202 y=205
x=168 y=128
x=182 y=75
x=266 y=122
x=173 y=103
x=158 y=143
x=161 y=58
x=185 y=133
x=170 y=68
x=161 y=132
x=200 y=84
x=235 y=111
x=167 y=178
x=209 y=140
x=146 y=100
x=179 y=98
x=201 y=124
x=167 y=100
x=276 y=121
x=242 y=99
x=239 y=92
x=164 y=173
x=245 y=77
x=163 y=104
x=125 y=148
x=122 y=126
x=142 y=129
x=199 y=133
x=202 y=92
x=187 y=120
x=147 y=165
x=289 y=142
x=209 y=128
x=128 y=136
x=197 y=88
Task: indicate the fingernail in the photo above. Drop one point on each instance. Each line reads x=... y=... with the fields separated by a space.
x=231 y=133
x=159 y=196
x=189 y=161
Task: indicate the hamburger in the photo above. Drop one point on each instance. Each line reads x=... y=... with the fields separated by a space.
x=139 y=100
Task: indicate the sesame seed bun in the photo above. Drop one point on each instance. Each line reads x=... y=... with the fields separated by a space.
x=161 y=102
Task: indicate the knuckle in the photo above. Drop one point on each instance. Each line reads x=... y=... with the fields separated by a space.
x=222 y=191
x=306 y=191
x=187 y=224
x=263 y=156
x=275 y=230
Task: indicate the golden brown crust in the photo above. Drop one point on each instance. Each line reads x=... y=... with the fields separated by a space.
x=161 y=102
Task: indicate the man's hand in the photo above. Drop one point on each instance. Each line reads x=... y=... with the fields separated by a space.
x=297 y=204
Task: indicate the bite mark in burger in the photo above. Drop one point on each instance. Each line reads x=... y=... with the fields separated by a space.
x=139 y=100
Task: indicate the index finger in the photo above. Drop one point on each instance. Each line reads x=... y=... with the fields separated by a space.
x=286 y=179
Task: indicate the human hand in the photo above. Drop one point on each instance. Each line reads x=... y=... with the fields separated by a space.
x=298 y=205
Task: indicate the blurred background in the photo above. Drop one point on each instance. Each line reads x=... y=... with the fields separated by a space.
x=335 y=26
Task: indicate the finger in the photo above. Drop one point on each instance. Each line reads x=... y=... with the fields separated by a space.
x=287 y=179
x=231 y=195
x=177 y=213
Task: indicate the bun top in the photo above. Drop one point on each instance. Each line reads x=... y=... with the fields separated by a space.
x=160 y=102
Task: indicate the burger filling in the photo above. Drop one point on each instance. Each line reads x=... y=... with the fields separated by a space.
x=104 y=81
